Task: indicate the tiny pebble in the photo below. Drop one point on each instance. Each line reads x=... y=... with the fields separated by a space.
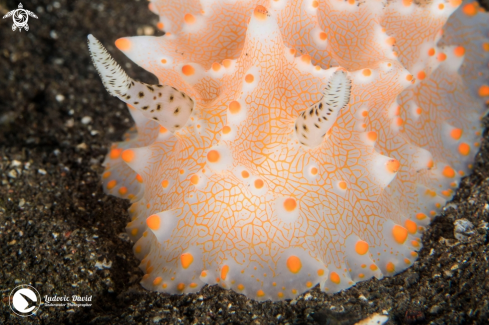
x=86 y=120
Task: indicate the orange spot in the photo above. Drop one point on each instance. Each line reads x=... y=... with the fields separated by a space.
x=134 y=232
x=164 y=183
x=181 y=171
x=216 y=66
x=400 y=234
x=364 y=113
x=361 y=275
x=415 y=243
x=320 y=272
x=193 y=285
x=260 y=293
x=448 y=172
x=123 y=190
x=342 y=185
x=484 y=91
x=447 y=192
x=455 y=3
x=464 y=149
x=485 y=47
x=186 y=259
x=421 y=75
x=111 y=184
x=407 y=261
x=260 y=13
x=188 y=70
x=194 y=179
x=334 y=277
x=393 y=165
x=366 y=72
x=390 y=267
x=123 y=44
x=431 y=52
x=315 y=4
x=128 y=155
x=441 y=57
x=106 y=175
x=407 y=3
x=160 y=25
x=391 y=41
x=469 y=9
x=234 y=107
x=138 y=249
x=226 y=63
x=249 y=78
x=456 y=133
x=293 y=51
x=294 y=264
x=224 y=272
x=409 y=77
x=459 y=51
x=157 y=281
x=240 y=287
x=259 y=183
x=280 y=294
x=181 y=287
x=441 y=6
x=213 y=156
x=372 y=135
x=419 y=111
x=361 y=247
x=203 y=274
x=411 y=226
x=373 y=267
x=226 y=129
x=189 y=18
x=115 y=153
x=245 y=174
x=322 y=36
x=399 y=121
x=308 y=284
x=306 y=58
x=414 y=254
x=290 y=204
x=163 y=129
x=153 y=222
x=139 y=178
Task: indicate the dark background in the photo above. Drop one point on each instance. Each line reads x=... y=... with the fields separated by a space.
x=56 y=222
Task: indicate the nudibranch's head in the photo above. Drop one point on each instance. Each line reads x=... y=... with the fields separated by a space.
x=294 y=144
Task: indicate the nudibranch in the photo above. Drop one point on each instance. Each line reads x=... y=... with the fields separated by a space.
x=294 y=143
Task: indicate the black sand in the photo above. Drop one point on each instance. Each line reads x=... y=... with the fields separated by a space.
x=56 y=222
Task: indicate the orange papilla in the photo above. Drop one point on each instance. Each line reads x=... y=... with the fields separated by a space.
x=213 y=156
x=294 y=264
x=290 y=204
x=123 y=44
x=400 y=234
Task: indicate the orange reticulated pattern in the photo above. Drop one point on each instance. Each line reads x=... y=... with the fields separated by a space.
x=234 y=199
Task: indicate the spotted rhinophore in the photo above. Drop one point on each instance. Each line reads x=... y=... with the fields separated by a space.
x=294 y=143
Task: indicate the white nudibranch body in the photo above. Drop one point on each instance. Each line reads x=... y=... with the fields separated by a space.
x=280 y=152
